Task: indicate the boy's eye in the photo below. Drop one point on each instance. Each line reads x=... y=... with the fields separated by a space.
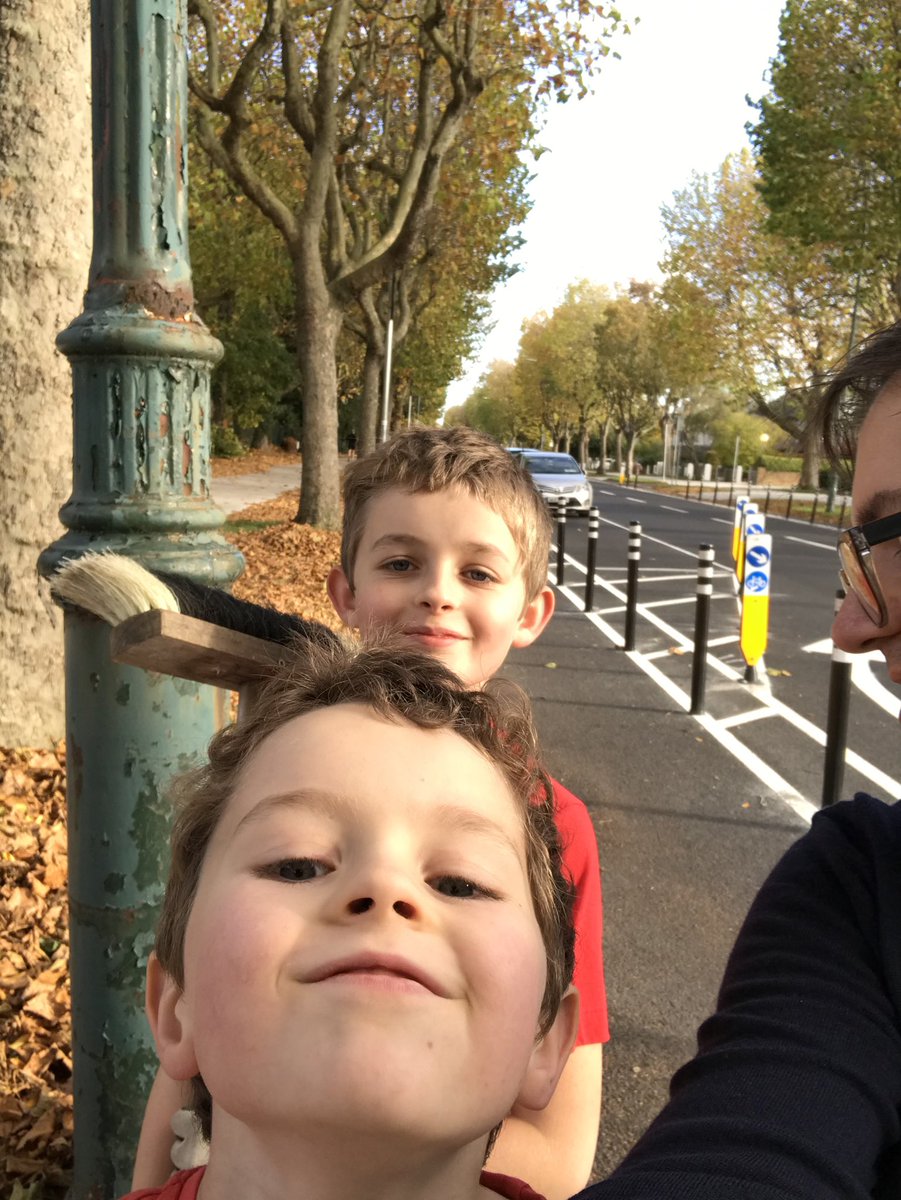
x=296 y=870
x=477 y=575
x=459 y=888
x=400 y=565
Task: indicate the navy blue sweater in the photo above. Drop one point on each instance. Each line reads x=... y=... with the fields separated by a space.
x=795 y=1090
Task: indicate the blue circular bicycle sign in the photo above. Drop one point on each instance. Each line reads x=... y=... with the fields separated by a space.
x=756 y=581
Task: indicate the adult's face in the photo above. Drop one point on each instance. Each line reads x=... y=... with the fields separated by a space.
x=877 y=493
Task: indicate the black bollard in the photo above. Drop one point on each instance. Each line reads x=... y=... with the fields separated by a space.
x=702 y=627
x=561 y=539
x=813 y=511
x=841 y=515
x=632 y=583
x=716 y=488
x=594 y=521
x=766 y=503
x=788 y=510
x=836 y=720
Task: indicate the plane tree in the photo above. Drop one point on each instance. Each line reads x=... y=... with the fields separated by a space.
x=333 y=84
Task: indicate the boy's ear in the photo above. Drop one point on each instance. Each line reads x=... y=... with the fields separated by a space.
x=534 y=619
x=168 y=1023
x=341 y=595
x=550 y=1055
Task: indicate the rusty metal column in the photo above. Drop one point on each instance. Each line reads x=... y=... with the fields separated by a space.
x=141 y=364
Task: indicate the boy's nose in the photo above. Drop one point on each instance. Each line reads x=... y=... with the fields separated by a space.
x=365 y=904
x=438 y=590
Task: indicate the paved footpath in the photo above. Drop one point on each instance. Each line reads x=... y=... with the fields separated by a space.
x=685 y=835
x=234 y=492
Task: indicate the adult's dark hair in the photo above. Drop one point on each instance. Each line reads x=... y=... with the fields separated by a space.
x=851 y=390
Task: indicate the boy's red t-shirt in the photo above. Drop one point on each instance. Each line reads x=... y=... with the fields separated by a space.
x=580 y=858
x=183 y=1185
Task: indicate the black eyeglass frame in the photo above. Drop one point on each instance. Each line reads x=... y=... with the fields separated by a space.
x=857 y=542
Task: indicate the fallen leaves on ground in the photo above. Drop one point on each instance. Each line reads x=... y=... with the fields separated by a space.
x=287 y=566
x=253 y=461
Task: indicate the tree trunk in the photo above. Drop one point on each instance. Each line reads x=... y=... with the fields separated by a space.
x=811 y=447
x=367 y=434
x=630 y=452
x=318 y=325
x=45 y=231
x=619 y=452
x=583 y=445
x=605 y=433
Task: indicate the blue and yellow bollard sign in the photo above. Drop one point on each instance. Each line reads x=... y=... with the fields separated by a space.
x=755 y=606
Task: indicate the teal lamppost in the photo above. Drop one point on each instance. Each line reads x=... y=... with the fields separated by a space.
x=141 y=362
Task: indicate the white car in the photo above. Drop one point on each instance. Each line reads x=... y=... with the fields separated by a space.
x=558 y=477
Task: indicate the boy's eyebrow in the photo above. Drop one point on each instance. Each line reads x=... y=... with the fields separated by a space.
x=880 y=504
x=408 y=539
x=453 y=817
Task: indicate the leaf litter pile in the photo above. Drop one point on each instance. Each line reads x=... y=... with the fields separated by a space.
x=287 y=565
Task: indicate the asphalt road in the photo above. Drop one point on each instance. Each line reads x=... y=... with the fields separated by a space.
x=690 y=814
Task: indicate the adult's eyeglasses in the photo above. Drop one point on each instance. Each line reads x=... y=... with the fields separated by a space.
x=858 y=565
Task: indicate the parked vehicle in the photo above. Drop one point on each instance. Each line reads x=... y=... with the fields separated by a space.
x=558 y=477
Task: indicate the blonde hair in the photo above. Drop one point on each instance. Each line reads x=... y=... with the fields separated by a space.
x=433 y=460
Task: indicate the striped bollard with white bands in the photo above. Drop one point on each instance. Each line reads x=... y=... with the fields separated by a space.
x=632 y=583
x=561 y=539
x=702 y=628
x=837 y=709
x=594 y=524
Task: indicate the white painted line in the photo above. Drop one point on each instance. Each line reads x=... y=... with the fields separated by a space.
x=753 y=714
x=606 y=493
x=764 y=772
x=723 y=641
x=647 y=537
x=632 y=500
x=863 y=678
x=862 y=675
x=669 y=508
x=807 y=542
x=764 y=693
x=669 y=603
x=723 y=521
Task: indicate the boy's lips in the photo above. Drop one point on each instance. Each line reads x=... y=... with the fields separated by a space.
x=433 y=633
x=372 y=964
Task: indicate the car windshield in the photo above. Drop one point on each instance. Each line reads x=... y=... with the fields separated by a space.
x=552 y=465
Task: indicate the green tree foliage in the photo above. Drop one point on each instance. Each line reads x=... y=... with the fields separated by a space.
x=556 y=367
x=336 y=121
x=828 y=140
x=767 y=314
x=242 y=284
x=629 y=368
x=497 y=407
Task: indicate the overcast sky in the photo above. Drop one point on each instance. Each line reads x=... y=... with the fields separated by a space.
x=674 y=103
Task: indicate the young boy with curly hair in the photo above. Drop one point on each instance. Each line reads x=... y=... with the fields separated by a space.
x=365 y=948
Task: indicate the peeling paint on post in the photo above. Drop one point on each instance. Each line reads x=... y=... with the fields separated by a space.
x=141 y=362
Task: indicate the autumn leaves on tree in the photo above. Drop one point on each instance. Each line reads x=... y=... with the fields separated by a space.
x=338 y=122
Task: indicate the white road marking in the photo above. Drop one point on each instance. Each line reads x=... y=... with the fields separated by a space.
x=723 y=641
x=723 y=521
x=669 y=603
x=763 y=692
x=632 y=500
x=807 y=542
x=862 y=676
x=753 y=714
x=669 y=508
x=647 y=537
x=606 y=493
